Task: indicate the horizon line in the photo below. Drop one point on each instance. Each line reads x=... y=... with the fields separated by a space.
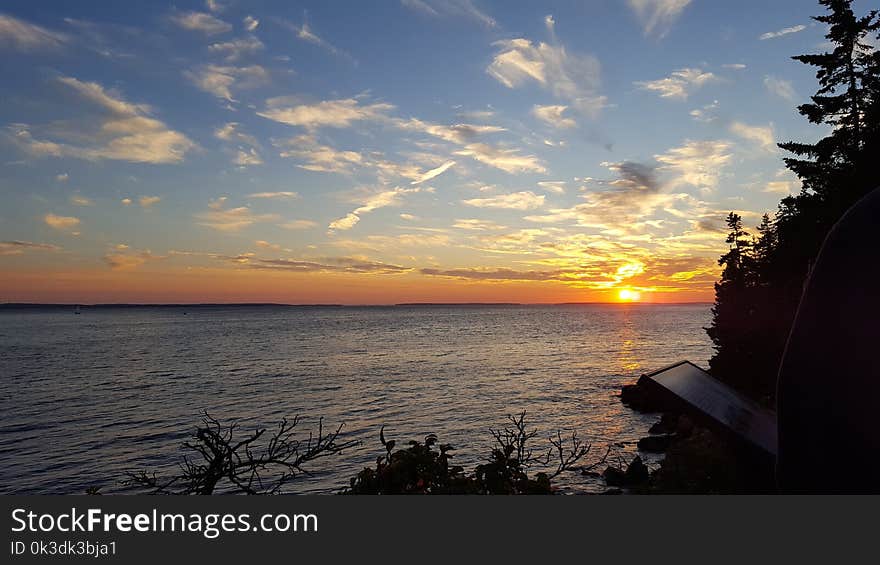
x=328 y=305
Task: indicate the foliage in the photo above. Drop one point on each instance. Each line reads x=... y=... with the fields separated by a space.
x=242 y=465
x=419 y=469
x=762 y=280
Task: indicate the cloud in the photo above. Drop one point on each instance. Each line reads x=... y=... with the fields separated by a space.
x=784 y=187
x=499 y=274
x=26 y=37
x=760 y=135
x=679 y=84
x=697 y=163
x=781 y=32
x=283 y=195
x=327 y=264
x=707 y=113
x=525 y=200
x=126 y=260
x=231 y=132
x=79 y=200
x=552 y=116
x=18 y=247
x=202 y=22
x=460 y=134
x=220 y=218
x=320 y=158
x=298 y=224
x=305 y=33
x=554 y=186
x=734 y=66
x=508 y=160
x=477 y=225
x=63 y=177
x=63 y=223
x=451 y=8
x=374 y=202
x=251 y=23
x=658 y=16
x=574 y=78
x=266 y=245
x=428 y=175
x=779 y=87
x=247 y=157
x=237 y=48
x=328 y=113
x=148 y=201
x=120 y=131
x=221 y=80
x=126 y=201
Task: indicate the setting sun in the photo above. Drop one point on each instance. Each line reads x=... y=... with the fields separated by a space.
x=627 y=295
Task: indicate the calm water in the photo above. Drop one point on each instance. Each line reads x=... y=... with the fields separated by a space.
x=85 y=398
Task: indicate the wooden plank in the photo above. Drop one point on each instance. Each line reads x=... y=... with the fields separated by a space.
x=696 y=393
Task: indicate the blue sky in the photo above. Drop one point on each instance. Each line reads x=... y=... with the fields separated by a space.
x=541 y=151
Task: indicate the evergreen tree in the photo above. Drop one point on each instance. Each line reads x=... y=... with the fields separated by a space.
x=761 y=283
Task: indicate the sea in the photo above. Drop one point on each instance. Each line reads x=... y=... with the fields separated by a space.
x=87 y=397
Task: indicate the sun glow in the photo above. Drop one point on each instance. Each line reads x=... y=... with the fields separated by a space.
x=627 y=295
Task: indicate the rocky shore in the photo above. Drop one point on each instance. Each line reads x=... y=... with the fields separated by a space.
x=695 y=460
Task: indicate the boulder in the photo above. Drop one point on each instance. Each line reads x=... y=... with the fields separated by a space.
x=636 y=473
x=656 y=444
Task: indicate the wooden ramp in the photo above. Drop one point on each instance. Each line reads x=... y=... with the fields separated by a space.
x=694 y=392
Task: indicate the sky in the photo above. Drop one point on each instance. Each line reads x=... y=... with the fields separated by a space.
x=390 y=151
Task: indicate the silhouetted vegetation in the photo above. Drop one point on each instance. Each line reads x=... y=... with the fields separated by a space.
x=420 y=469
x=255 y=465
x=764 y=274
x=251 y=465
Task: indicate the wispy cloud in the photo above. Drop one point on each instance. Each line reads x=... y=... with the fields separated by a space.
x=574 y=78
x=283 y=195
x=221 y=218
x=148 y=202
x=428 y=175
x=762 y=136
x=80 y=200
x=236 y=49
x=251 y=23
x=779 y=87
x=451 y=8
x=27 y=37
x=63 y=223
x=508 y=160
x=658 y=16
x=121 y=130
x=328 y=113
x=126 y=259
x=525 y=200
x=552 y=116
x=18 y=247
x=696 y=163
x=221 y=80
x=374 y=202
x=201 y=22
x=305 y=33
x=782 y=32
x=679 y=84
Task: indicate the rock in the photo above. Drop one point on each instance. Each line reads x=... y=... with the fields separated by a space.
x=614 y=477
x=668 y=424
x=656 y=444
x=640 y=399
x=636 y=472
x=685 y=426
x=591 y=474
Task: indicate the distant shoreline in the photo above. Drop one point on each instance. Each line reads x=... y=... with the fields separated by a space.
x=34 y=305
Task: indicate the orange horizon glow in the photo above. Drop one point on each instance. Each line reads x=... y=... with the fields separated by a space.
x=192 y=286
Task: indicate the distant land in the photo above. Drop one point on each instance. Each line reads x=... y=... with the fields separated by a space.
x=35 y=305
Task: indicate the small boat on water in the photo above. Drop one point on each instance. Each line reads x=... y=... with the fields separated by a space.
x=76 y=309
